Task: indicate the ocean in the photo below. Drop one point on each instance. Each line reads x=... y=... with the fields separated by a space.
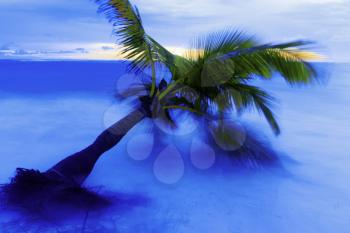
x=51 y=109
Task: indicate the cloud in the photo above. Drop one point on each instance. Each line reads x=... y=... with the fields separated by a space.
x=200 y=8
x=19 y=52
x=107 y=48
x=12 y=52
x=80 y=50
x=51 y=25
x=8 y=46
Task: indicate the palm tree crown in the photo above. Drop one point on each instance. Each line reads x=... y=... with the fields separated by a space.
x=214 y=76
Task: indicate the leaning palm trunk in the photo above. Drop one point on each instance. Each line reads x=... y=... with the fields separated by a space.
x=77 y=167
x=62 y=184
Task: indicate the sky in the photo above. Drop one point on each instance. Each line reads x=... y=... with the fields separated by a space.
x=72 y=29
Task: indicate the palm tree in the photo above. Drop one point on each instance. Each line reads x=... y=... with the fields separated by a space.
x=211 y=80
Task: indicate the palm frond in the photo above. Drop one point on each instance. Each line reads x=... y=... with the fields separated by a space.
x=288 y=59
x=250 y=96
x=291 y=65
x=129 y=30
x=212 y=58
x=215 y=102
x=137 y=46
x=219 y=43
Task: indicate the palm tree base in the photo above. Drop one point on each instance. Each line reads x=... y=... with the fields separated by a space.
x=36 y=192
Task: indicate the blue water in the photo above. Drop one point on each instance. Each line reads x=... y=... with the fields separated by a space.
x=52 y=109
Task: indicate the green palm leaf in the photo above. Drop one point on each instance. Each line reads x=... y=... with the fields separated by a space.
x=288 y=59
x=250 y=96
x=137 y=46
